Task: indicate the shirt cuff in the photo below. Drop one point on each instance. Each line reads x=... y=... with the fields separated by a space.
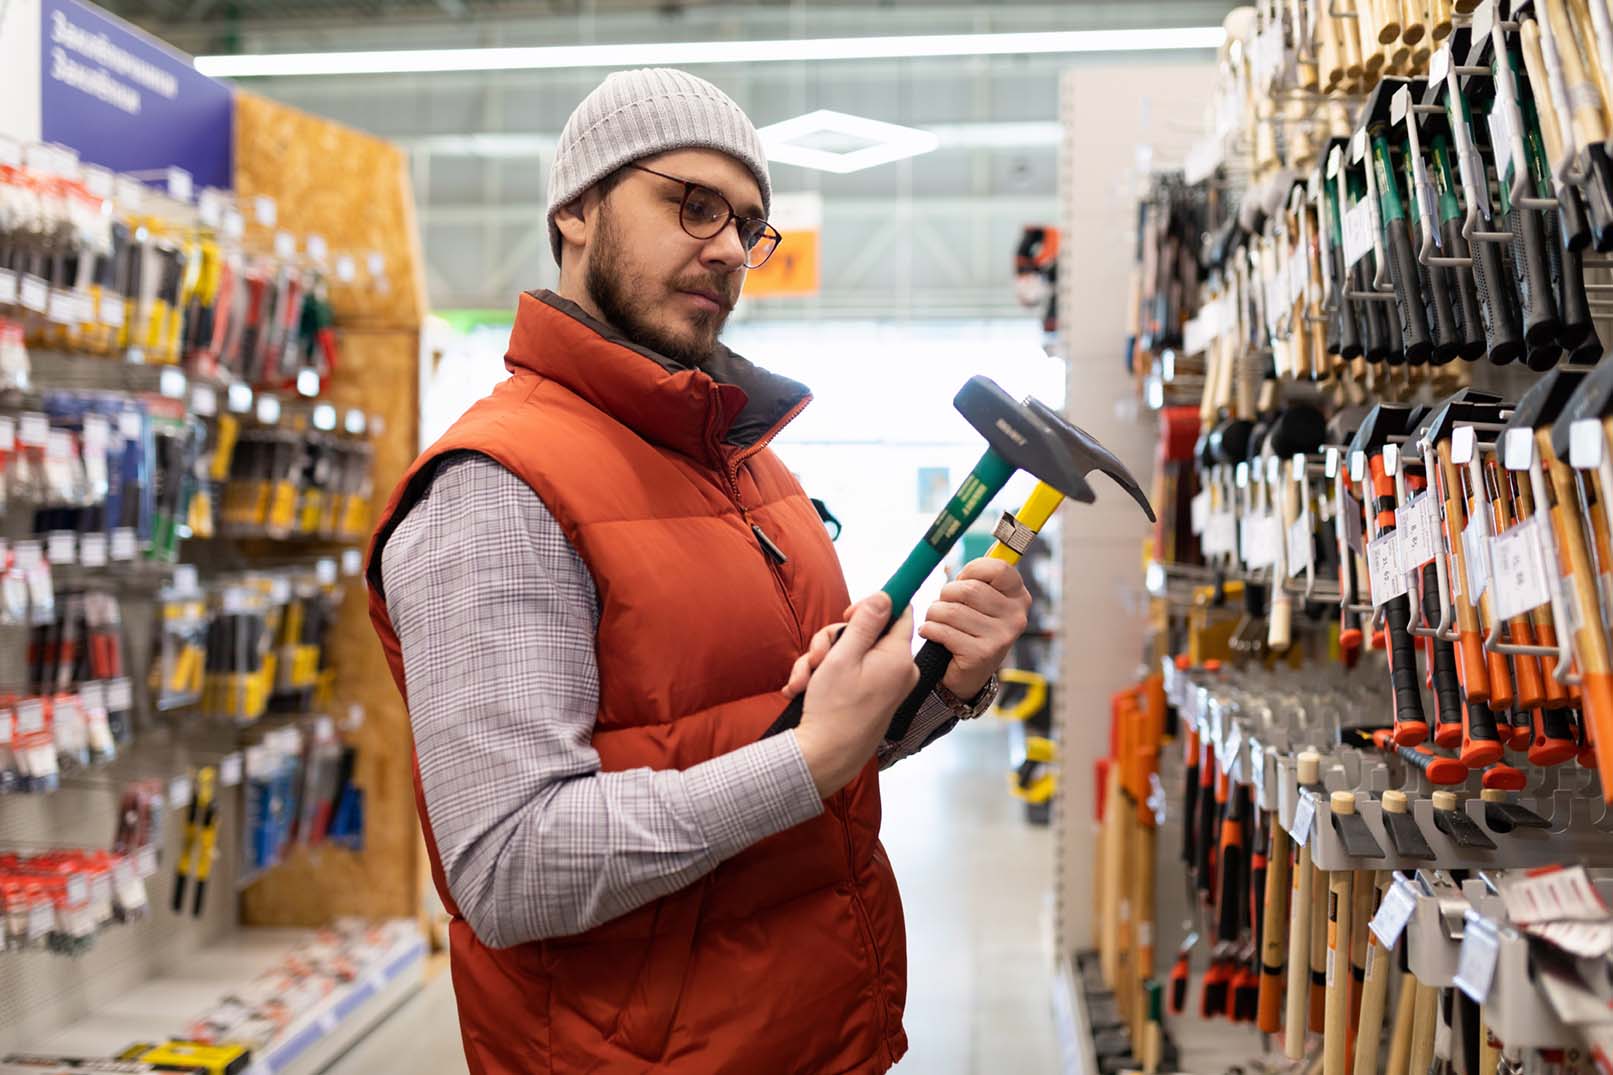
x=751 y=793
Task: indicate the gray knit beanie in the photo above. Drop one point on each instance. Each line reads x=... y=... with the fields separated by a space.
x=637 y=114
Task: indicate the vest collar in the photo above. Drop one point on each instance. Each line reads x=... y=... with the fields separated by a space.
x=730 y=403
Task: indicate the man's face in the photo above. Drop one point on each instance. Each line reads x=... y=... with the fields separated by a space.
x=659 y=286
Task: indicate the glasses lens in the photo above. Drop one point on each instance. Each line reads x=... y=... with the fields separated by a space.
x=760 y=247
x=704 y=212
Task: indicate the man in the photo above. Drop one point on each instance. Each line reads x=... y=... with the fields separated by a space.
x=596 y=592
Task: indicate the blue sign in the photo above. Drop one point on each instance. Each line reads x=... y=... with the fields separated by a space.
x=127 y=102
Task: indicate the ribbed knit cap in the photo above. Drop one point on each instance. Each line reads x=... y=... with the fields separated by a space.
x=637 y=114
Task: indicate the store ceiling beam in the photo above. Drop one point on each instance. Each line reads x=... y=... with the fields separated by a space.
x=964 y=207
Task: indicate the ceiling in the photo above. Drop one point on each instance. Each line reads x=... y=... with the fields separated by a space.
x=929 y=237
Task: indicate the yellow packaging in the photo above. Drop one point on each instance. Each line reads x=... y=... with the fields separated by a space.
x=206 y=1059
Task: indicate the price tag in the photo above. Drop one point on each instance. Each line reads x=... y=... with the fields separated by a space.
x=308 y=385
x=1416 y=529
x=1299 y=271
x=27 y=555
x=8 y=288
x=239 y=397
x=1222 y=537
x=180 y=791
x=1520 y=581
x=1300 y=547
x=1586 y=444
x=1357 y=233
x=1383 y=560
x=145 y=861
x=1200 y=511
x=234 y=224
x=352 y=563
x=63 y=307
x=92 y=550
x=41 y=920
x=1439 y=65
x=376 y=263
x=131 y=425
x=172 y=384
x=1304 y=816
x=316 y=247
x=181 y=187
x=123 y=545
x=33 y=293
x=265 y=209
x=325 y=571
x=61 y=547
x=1475 y=965
x=229 y=771
x=210 y=208
x=1233 y=760
x=1393 y=914
x=1476 y=546
x=1570 y=620
x=354 y=424
x=204 y=400
x=268 y=410
x=285 y=245
x=346 y=269
x=1518 y=450
x=119 y=695
x=30 y=716
x=1257 y=773
x=78 y=890
x=1501 y=140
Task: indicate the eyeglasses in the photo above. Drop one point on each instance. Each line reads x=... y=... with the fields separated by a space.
x=704 y=213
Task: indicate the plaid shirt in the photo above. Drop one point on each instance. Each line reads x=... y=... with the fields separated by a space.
x=496 y=614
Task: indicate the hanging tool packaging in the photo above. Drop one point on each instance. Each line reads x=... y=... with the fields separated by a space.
x=1374 y=734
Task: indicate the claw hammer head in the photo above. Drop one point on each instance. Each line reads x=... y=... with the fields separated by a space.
x=1022 y=438
x=1089 y=455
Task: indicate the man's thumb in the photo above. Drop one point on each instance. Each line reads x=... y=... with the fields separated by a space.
x=867 y=623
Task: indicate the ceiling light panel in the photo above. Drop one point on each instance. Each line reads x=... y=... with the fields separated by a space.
x=886 y=142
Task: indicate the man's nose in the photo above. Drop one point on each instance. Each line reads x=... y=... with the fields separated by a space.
x=724 y=250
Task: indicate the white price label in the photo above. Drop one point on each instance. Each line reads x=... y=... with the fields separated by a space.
x=61 y=547
x=229 y=771
x=145 y=861
x=346 y=269
x=93 y=696
x=268 y=410
x=1393 y=914
x=352 y=563
x=1416 y=522
x=325 y=571
x=1500 y=121
x=33 y=293
x=1383 y=561
x=1304 y=817
x=78 y=890
x=285 y=245
x=239 y=397
x=1299 y=271
x=1354 y=536
x=1518 y=449
x=92 y=550
x=1586 y=444
x=8 y=434
x=123 y=545
x=180 y=791
x=1520 y=581
x=204 y=400
x=1200 y=511
x=8 y=288
x=1300 y=547
x=316 y=247
x=265 y=209
x=1476 y=546
x=30 y=716
x=62 y=307
x=119 y=695
x=33 y=431
x=181 y=186
x=172 y=383
x=131 y=425
x=27 y=555
x=1475 y=965
x=1233 y=761
x=1357 y=233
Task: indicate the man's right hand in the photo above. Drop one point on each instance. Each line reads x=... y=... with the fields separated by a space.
x=855 y=685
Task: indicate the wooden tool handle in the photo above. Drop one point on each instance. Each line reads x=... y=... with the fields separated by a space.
x=1274 y=941
x=1584 y=97
x=1320 y=896
x=1440 y=20
x=1579 y=14
x=1423 y=1023
x=1534 y=63
x=1374 y=990
x=1336 y=1020
x=1400 y=1035
x=1296 y=1010
x=1489 y=1052
x=1280 y=623
x=1471 y=666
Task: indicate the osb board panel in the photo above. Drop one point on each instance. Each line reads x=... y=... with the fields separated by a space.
x=350 y=188
x=380 y=373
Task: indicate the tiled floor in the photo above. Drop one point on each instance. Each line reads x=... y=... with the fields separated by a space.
x=976 y=885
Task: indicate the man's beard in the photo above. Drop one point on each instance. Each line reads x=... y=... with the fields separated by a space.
x=611 y=289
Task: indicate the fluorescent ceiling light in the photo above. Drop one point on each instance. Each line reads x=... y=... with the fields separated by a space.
x=678 y=53
x=888 y=142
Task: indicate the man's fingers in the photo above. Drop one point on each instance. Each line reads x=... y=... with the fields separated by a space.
x=998 y=574
x=962 y=618
x=961 y=645
x=900 y=638
x=977 y=594
x=800 y=676
x=862 y=630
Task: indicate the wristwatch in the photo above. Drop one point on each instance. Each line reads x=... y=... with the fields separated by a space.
x=971 y=708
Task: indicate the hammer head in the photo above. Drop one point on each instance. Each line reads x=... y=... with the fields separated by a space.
x=1089 y=455
x=1021 y=438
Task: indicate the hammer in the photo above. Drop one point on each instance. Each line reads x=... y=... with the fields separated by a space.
x=1016 y=439
x=1014 y=534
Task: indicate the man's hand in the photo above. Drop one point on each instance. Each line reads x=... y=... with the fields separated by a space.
x=851 y=690
x=980 y=616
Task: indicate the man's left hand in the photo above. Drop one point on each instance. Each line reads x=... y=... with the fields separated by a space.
x=980 y=616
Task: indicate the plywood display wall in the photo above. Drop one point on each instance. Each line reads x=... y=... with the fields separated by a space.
x=353 y=191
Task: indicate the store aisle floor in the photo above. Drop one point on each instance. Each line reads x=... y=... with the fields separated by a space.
x=975 y=882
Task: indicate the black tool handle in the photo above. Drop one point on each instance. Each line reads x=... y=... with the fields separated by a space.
x=1579 y=329
x=1416 y=341
x=1411 y=726
x=1481 y=726
x=1190 y=802
x=1349 y=329
x=1572 y=218
x=1441 y=313
x=1531 y=275
x=1503 y=336
x=1373 y=326
x=933 y=660
x=1470 y=320
x=1598 y=191
x=1207 y=827
x=1442 y=665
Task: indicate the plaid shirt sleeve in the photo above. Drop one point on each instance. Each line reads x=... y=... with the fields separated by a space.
x=496 y=614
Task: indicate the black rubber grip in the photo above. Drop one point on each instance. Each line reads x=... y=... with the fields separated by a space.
x=790 y=718
x=1481 y=723
x=1391 y=322
x=933 y=660
x=1437 y=303
x=1572 y=219
x=1498 y=306
x=1598 y=191
x=1403 y=663
x=1531 y=276
x=1469 y=320
x=1573 y=302
x=1179 y=989
x=1520 y=719
x=1442 y=670
x=1349 y=328
x=1207 y=830
x=1416 y=341
x=1229 y=916
x=1555 y=724
x=1190 y=802
x=1369 y=315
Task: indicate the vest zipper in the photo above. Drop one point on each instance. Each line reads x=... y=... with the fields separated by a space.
x=768 y=546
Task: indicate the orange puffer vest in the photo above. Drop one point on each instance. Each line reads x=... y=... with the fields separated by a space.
x=789 y=957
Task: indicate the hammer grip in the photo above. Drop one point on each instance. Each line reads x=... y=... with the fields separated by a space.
x=1498 y=309
x=1598 y=191
x=1416 y=342
x=1554 y=741
x=1466 y=295
x=933 y=660
x=1531 y=274
x=1481 y=740
x=1441 y=313
x=1411 y=726
x=1442 y=666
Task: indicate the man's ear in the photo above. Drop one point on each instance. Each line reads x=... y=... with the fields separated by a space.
x=572 y=222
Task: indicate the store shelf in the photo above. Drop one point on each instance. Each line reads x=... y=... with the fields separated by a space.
x=307 y=1046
